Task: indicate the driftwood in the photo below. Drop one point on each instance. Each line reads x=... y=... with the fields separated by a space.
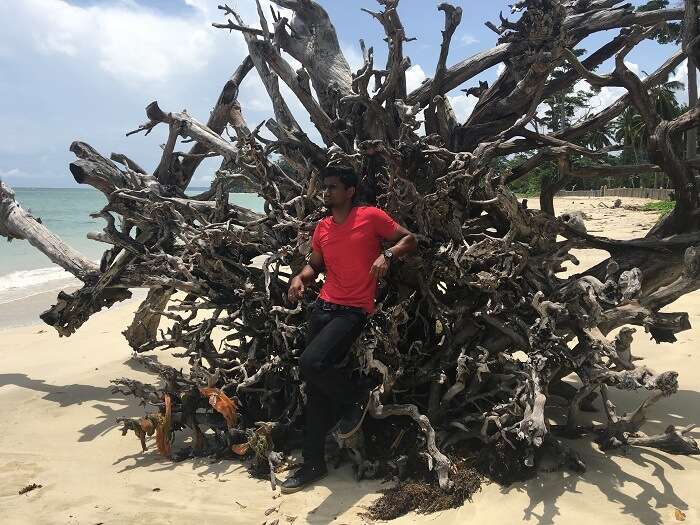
x=474 y=334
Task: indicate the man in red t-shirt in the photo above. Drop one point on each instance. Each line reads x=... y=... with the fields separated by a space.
x=346 y=246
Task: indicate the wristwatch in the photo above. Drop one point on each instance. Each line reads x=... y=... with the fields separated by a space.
x=388 y=254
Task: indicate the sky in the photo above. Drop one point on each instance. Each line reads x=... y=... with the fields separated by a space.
x=86 y=69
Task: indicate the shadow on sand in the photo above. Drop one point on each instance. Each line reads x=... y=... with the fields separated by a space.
x=644 y=497
x=606 y=471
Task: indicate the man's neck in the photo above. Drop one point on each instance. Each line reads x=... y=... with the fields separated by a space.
x=340 y=213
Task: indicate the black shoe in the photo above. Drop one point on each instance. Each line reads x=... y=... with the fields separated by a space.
x=303 y=477
x=352 y=418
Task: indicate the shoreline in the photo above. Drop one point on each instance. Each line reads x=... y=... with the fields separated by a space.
x=24 y=312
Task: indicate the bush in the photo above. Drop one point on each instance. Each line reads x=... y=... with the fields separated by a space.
x=661 y=207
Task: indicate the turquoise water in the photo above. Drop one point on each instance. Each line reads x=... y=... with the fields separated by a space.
x=66 y=212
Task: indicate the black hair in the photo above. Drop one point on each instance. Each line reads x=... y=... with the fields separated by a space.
x=346 y=175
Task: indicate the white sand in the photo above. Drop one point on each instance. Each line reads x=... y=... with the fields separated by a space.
x=58 y=430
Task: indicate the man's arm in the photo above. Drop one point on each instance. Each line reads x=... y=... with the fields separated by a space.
x=404 y=243
x=306 y=276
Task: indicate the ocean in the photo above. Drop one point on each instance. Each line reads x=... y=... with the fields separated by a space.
x=25 y=271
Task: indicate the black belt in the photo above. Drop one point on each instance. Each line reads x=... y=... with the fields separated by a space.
x=330 y=307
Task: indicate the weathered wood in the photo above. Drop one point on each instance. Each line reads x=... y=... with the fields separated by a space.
x=144 y=327
x=93 y=169
x=17 y=223
x=312 y=41
x=472 y=66
x=223 y=113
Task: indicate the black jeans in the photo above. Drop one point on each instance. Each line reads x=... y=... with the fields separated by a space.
x=329 y=388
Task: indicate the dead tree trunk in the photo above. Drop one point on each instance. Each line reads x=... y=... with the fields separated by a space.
x=17 y=223
x=470 y=339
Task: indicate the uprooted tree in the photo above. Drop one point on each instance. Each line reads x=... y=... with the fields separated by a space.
x=474 y=334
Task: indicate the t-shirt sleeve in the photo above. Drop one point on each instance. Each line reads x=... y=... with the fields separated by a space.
x=384 y=225
x=315 y=241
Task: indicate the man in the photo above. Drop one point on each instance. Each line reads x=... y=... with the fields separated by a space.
x=346 y=245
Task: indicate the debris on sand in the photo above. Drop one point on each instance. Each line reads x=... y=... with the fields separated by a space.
x=29 y=488
x=423 y=495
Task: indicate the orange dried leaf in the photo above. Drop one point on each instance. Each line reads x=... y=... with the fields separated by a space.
x=241 y=449
x=680 y=515
x=162 y=442
x=164 y=428
x=141 y=427
x=147 y=426
x=223 y=404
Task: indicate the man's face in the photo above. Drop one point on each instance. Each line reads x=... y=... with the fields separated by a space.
x=335 y=193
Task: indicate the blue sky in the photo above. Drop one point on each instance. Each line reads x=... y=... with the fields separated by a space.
x=85 y=70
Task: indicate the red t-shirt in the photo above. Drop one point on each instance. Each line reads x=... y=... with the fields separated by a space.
x=348 y=251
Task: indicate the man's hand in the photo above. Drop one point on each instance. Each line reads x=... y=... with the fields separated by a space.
x=379 y=267
x=296 y=289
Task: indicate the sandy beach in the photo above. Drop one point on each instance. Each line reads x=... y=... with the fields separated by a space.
x=59 y=431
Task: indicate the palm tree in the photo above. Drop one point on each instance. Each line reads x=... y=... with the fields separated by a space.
x=630 y=130
x=598 y=138
x=664 y=95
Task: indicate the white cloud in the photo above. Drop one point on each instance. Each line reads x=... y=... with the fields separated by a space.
x=596 y=103
x=600 y=101
x=607 y=95
x=414 y=77
x=353 y=56
x=500 y=69
x=634 y=68
x=132 y=44
x=13 y=175
x=253 y=96
x=160 y=53
x=463 y=106
x=467 y=40
x=202 y=5
x=681 y=75
x=541 y=111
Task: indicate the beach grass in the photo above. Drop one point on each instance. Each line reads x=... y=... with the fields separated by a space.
x=661 y=207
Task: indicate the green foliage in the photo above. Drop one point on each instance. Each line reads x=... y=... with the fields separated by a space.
x=531 y=185
x=563 y=106
x=285 y=166
x=629 y=129
x=661 y=207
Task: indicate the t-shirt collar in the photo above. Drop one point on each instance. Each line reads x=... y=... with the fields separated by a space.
x=352 y=211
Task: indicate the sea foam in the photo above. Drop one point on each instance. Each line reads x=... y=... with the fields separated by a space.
x=25 y=283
